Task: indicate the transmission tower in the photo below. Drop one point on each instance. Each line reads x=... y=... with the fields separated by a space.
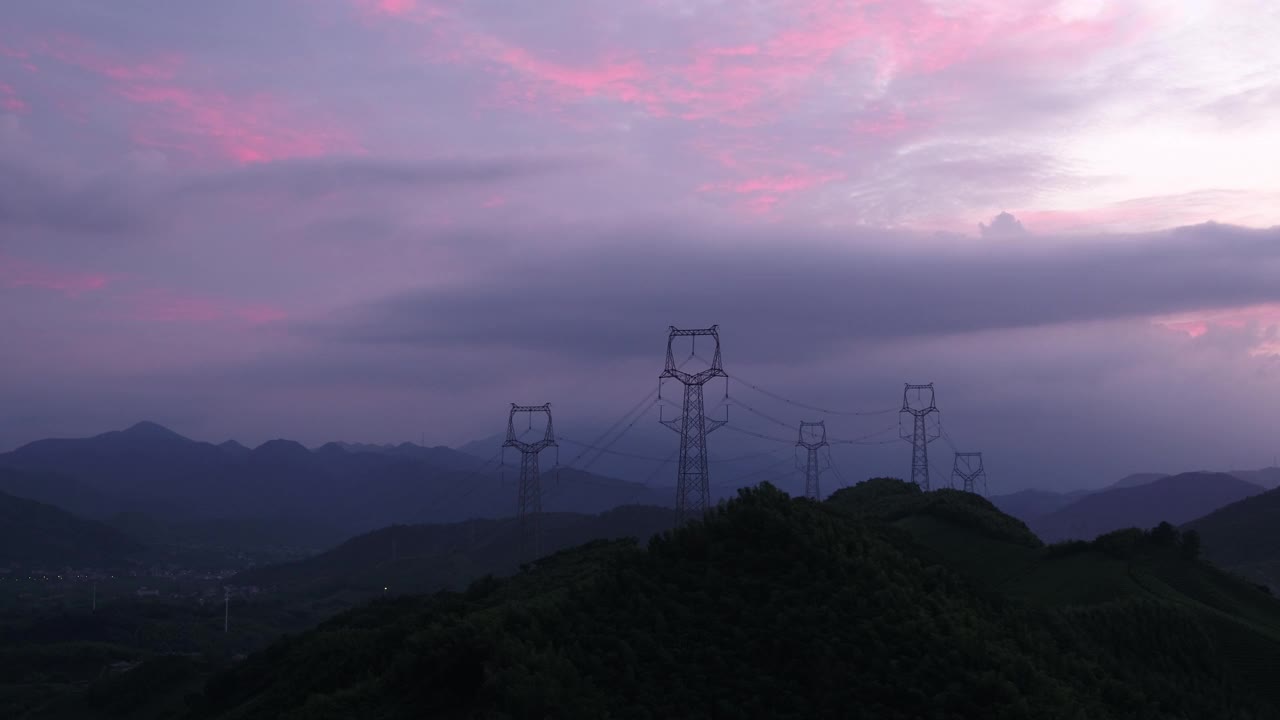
x=817 y=438
x=968 y=467
x=920 y=436
x=693 y=484
x=529 y=504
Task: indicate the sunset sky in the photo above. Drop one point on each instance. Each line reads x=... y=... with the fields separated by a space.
x=372 y=219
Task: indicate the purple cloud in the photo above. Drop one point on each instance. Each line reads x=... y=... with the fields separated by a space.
x=346 y=219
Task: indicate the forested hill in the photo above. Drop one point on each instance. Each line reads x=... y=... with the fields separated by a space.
x=881 y=603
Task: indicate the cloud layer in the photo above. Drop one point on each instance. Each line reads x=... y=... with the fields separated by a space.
x=366 y=219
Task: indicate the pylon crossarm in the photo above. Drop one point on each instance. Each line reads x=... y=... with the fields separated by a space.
x=531 y=447
x=698 y=378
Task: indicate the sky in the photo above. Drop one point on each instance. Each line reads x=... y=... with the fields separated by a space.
x=386 y=220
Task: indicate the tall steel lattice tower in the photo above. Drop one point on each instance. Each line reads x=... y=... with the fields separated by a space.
x=921 y=435
x=529 y=506
x=968 y=468
x=693 y=484
x=816 y=438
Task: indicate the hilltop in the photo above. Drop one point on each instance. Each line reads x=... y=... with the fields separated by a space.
x=901 y=604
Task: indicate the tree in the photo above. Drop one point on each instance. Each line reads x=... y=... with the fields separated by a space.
x=1165 y=534
x=1191 y=544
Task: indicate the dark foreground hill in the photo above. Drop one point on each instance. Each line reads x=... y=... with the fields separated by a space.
x=36 y=535
x=881 y=603
x=1176 y=499
x=1244 y=537
x=426 y=558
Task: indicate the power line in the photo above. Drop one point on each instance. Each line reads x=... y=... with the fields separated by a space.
x=757 y=413
x=831 y=464
x=765 y=469
x=863 y=440
x=607 y=450
x=762 y=436
x=806 y=406
x=640 y=406
x=739 y=458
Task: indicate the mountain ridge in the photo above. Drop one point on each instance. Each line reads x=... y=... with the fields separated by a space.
x=1176 y=499
x=149 y=469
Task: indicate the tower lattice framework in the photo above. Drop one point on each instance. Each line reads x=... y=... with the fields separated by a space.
x=968 y=468
x=816 y=439
x=921 y=435
x=529 y=495
x=693 y=482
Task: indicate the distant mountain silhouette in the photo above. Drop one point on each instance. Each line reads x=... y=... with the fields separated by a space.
x=234 y=448
x=1268 y=477
x=1244 y=537
x=1028 y=504
x=1176 y=499
x=150 y=469
x=33 y=534
x=1136 y=480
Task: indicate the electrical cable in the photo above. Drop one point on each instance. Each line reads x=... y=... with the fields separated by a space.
x=806 y=406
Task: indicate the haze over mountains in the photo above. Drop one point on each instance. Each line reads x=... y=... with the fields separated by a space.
x=1176 y=499
x=329 y=493
x=160 y=486
x=1137 y=500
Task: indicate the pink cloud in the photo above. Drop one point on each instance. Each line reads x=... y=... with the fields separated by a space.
x=398 y=9
x=9 y=99
x=17 y=273
x=762 y=194
x=1261 y=321
x=832 y=52
x=748 y=83
x=193 y=120
x=158 y=305
x=246 y=129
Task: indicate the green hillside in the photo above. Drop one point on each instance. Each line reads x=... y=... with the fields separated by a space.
x=896 y=605
x=1244 y=537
